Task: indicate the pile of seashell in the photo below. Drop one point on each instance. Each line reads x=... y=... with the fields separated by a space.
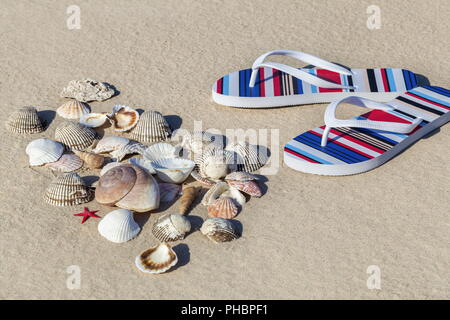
x=156 y=171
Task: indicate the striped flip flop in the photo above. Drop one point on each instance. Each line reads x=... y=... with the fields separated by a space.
x=344 y=147
x=270 y=84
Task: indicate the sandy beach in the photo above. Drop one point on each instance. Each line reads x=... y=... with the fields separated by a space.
x=309 y=236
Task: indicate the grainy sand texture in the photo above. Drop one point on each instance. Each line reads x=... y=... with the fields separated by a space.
x=308 y=237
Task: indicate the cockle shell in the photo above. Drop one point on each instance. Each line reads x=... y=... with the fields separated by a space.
x=143 y=163
x=115 y=184
x=174 y=170
x=205 y=181
x=118 y=226
x=73 y=109
x=68 y=189
x=131 y=148
x=197 y=141
x=161 y=150
x=75 y=136
x=151 y=127
x=219 y=230
x=169 y=191
x=67 y=163
x=157 y=260
x=93 y=120
x=171 y=227
x=42 y=151
x=25 y=120
x=111 y=143
x=88 y=90
x=250 y=187
x=240 y=176
x=222 y=189
x=224 y=207
x=215 y=164
x=92 y=160
x=248 y=157
x=124 y=118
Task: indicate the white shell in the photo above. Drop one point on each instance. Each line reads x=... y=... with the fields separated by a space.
x=93 y=120
x=25 y=120
x=215 y=163
x=88 y=90
x=222 y=189
x=219 y=230
x=124 y=118
x=118 y=226
x=73 y=109
x=157 y=260
x=111 y=143
x=143 y=163
x=67 y=163
x=75 y=135
x=171 y=227
x=174 y=170
x=130 y=148
x=109 y=166
x=197 y=141
x=42 y=151
x=160 y=150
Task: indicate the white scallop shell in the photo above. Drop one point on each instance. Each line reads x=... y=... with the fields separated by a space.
x=73 y=109
x=160 y=150
x=42 y=151
x=131 y=148
x=157 y=260
x=174 y=170
x=25 y=120
x=75 y=135
x=93 y=120
x=67 y=163
x=215 y=163
x=143 y=163
x=118 y=226
x=68 y=189
x=111 y=143
x=219 y=230
x=222 y=189
x=124 y=118
x=171 y=227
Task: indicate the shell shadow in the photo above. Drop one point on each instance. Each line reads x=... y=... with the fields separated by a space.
x=262 y=183
x=238 y=227
x=141 y=218
x=174 y=121
x=183 y=254
x=47 y=116
x=116 y=91
x=140 y=111
x=196 y=223
x=89 y=180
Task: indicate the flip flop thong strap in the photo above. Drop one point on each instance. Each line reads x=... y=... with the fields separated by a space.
x=298 y=73
x=332 y=122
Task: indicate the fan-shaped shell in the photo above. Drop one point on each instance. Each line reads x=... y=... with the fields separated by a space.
x=67 y=163
x=118 y=226
x=111 y=143
x=42 y=151
x=124 y=118
x=161 y=150
x=143 y=163
x=88 y=90
x=171 y=227
x=205 y=181
x=157 y=260
x=197 y=141
x=250 y=187
x=247 y=156
x=25 y=120
x=240 y=176
x=151 y=127
x=224 y=207
x=130 y=148
x=219 y=230
x=222 y=189
x=115 y=184
x=214 y=165
x=174 y=170
x=75 y=136
x=67 y=189
x=92 y=160
x=73 y=109
x=93 y=120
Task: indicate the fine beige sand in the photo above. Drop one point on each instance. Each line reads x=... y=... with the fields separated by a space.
x=308 y=237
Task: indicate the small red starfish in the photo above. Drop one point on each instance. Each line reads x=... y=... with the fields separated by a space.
x=86 y=214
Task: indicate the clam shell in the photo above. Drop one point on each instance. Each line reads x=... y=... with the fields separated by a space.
x=73 y=109
x=144 y=196
x=118 y=226
x=111 y=143
x=249 y=187
x=224 y=207
x=93 y=120
x=174 y=170
x=160 y=150
x=67 y=189
x=240 y=176
x=151 y=127
x=92 y=160
x=88 y=90
x=67 y=163
x=115 y=184
x=205 y=181
x=219 y=230
x=171 y=227
x=130 y=148
x=25 y=120
x=75 y=136
x=169 y=191
x=222 y=189
x=248 y=157
x=143 y=163
x=124 y=118
x=42 y=151
x=157 y=260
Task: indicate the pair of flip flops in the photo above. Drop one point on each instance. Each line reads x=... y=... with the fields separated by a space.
x=402 y=112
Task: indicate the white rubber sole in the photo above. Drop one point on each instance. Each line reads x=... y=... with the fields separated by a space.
x=299 y=99
x=349 y=169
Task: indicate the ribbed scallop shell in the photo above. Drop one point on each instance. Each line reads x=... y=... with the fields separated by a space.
x=224 y=207
x=222 y=189
x=25 y=120
x=118 y=226
x=151 y=127
x=93 y=120
x=240 y=176
x=130 y=148
x=250 y=187
x=205 y=181
x=171 y=227
x=157 y=260
x=42 y=151
x=247 y=156
x=215 y=164
x=161 y=150
x=67 y=163
x=124 y=118
x=197 y=141
x=219 y=230
x=73 y=109
x=75 y=136
x=68 y=189
x=111 y=143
